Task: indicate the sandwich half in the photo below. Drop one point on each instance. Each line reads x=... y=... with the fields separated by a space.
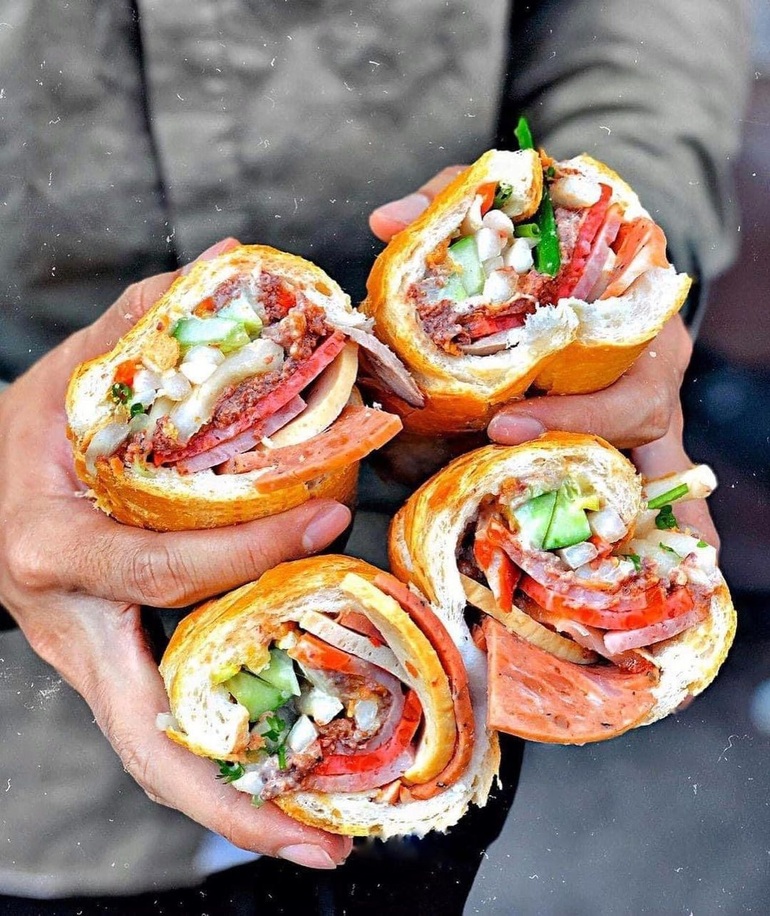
x=598 y=613
x=233 y=398
x=333 y=690
x=524 y=274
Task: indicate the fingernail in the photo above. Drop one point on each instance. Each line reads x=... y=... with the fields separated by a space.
x=511 y=430
x=211 y=252
x=309 y=856
x=325 y=526
x=404 y=210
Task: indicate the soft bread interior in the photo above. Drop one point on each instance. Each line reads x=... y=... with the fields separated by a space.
x=222 y=635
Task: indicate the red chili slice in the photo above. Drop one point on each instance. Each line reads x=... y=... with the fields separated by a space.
x=487 y=192
x=627 y=612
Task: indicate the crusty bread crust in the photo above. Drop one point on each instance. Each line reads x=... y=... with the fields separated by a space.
x=163 y=499
x=427 y=530
x=569 y=348
x=236 y=630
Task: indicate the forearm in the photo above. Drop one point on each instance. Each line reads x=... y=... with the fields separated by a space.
x=656 y=90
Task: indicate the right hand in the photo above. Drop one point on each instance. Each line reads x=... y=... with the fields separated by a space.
x=75 y=580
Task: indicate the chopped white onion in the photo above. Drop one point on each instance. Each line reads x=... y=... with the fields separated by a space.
x=493 y=264
x=176 y=386
x=607 y=524
x=578 y=554
x=146 y=385
x=255 y=358
x=252 y=782
x=366 y=714
x=321 y=706
x=105 y=442
x=498 y=222
x=575 y=192
x=302 y=735
x=498 y=287
x=200 y=363
x=519 y=256
x=611 y=571
x=204 y=353
x=488 y=243
x=472 y=222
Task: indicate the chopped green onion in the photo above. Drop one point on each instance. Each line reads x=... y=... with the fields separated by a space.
x=121 y=392
x=136 y=409
x=523 y=134
x=666 y=547
x=229 y=772
x=665 y=519
x=282 y=757
x=550 y=172
x=669 y=496
x=701 y=543
x=503 y=194
x=547 y=253
x=527 y=231
x=635 y=559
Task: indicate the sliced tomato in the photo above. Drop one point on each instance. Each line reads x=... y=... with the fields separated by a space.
x=125 y=372
x=640 y=244
x=370 y=761
x=484 y=325
x=501 y=573
x=354 y=620
x=628 y=612
x=487 y=193
x=315 y=653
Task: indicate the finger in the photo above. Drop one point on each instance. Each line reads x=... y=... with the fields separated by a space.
x=100 y=557
x=635 y=410
x=665 y=456
x=126 y=700
x=396 y=215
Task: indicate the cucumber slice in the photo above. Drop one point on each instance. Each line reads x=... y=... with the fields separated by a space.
x=193 y=331
x=534 y=517
x=569 y=524
x=453 y=289
x=255 y=694
x=242 y=311
x=280 y=673
x=465 y=255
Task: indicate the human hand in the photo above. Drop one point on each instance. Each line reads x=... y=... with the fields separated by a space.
x=75 y=580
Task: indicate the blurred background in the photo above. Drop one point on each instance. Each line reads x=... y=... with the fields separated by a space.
x=676 y=818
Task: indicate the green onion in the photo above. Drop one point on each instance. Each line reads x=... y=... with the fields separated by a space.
x=701 y=543
x=229 y=772
x=502 y=194
x=547 y=253
x=136 y=409
x=282 y=757
x=121 y=392
x=666 y=547
x=527 y=231
x=669 y=496
x=666 y=519
x=635 y=559
x=523 y=134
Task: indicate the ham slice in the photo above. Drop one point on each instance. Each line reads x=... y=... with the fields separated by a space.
x=387 y=367
x=357 y=432
x=542 y=698
x=641 y=245
x=625 y=640
x=243 y=442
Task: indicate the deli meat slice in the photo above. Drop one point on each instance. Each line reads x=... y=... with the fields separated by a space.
x=356 y=432
x=539 y=697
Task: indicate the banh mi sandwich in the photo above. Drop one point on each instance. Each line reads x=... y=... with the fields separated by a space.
x=233 y=398
x=598 y=612
x=524 y=273
x=333 y=690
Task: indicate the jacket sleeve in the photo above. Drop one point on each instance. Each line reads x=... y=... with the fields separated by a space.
x=656 y=90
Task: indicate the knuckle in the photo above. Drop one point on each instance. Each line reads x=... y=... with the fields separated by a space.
x=159 y=575
x=659 y=413
x=27 y=565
